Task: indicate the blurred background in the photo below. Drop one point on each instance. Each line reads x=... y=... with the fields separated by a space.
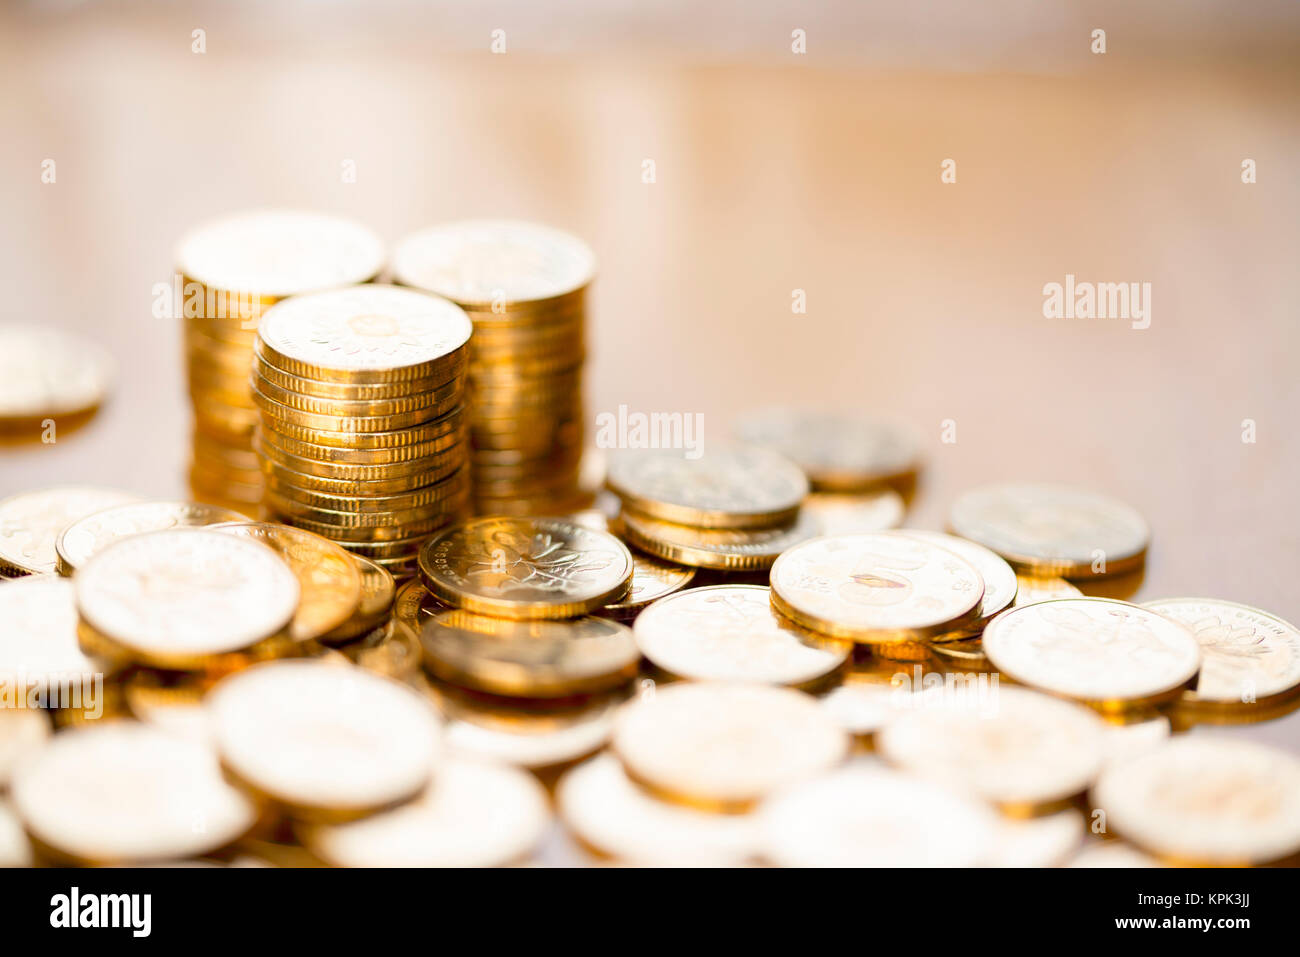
x=774 y=171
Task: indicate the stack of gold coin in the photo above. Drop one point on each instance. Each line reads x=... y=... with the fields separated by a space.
x=230 y=271
x=362 y=438
x=525 y=287
x=734 y=508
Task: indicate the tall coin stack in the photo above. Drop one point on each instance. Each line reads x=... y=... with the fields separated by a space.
x=230 y=271
x=362 y=436
x=525 y=288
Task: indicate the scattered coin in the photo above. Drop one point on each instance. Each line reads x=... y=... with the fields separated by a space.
x=848 y=514
x=47 y=373
x=1038 y=842
x=866 y=817
x=474 y=814
x=528 y=659
x=125 y=793
x=881 y=588
x=39 y=650
x=1249 y=658
x=731 y=633
x=724 y=746
x=86 y=536
x=1207 y=801
x=1000 y=582
x=526 y=568
x=378 y=592
x=173 y=598
x=1030 y=589
x=611 y=814
x=652 y=579
x=725 y=549
x=15 y=849
x=1053 y=530
x=727 y=487
x=23 y=731
x=1109 y=654
x=1022 y=751
x=30 y=524
x=318 y=739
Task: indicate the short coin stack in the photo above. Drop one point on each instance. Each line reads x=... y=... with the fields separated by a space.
x=362 y=438
x=735 y=508
x=230 y=272
x=525 y=287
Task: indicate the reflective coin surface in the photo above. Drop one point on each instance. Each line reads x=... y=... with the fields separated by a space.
x=1000 y=583
x=30 y=524
x=725 y=549
x=84 y=537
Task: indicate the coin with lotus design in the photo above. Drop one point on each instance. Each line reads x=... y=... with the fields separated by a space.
x=838 y=452
x=1000 y=583
x=652 y=579
x=30 y=524
x=883 y=588
x=1248 y=657
x=1207 y=801
x=731 y=633
x=727 y=487
x=1053 y=529
x=1109 y=654
x=526 y=567
x=84 y=537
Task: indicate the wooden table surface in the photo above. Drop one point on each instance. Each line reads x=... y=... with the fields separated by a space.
x=924 y=299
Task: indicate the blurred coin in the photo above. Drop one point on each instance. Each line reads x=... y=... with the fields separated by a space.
x=174 y=597
x=125 y=793
x=1053 y=529
x=731 y=633
x=1249 y=658
x=729 y=549
x=652 y=579
x=1030 y=589
x=318 y=739
x=725 y=746
x=30 y=524
x=1124 y=741
x=1038 y=842
x=1207 y=801
x=525 y=568
x=838 y=452
x=23 y=731
x=612 y=814
x=968 y=653
x=378 y=591
x=39 y=650
x=86 y=536
x=727 y=487
x=1000 y=583
x=880 y=588
x=1111 y=854
x=865 y=817
x=843 y=514
x=528 y=659
x=15 y=849
x=390 y=650
x=47 y=373
x=1022 y=751
x=1108 y=654
x=474 y=814
x=169 y=701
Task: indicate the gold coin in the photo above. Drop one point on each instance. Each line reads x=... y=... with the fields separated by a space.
x=186 y=593
x=329 y=579
x=867 y=817
x=84 y=537
x=278 y=417
x=1030 y=589
x=126 y=793
x=170 y=702
x=526 y=568
x=1206 y=801
x=39 y=650
x=30 y=524
x=367 y=333
x=967 y=653
x=419 y=502
x=378 y=591
x=863 y=708
x=848 y=514
x=266 y=254
x=416 y=405
x=494 y=262
x=726 y=549
x=528 y=659
x=724 y=746
x=1109 y=654
x=364 y=446
x=284 y=477
x=474 y=814
x=390 y=650
x=1053 y=530
x=612 y=814
x=731 y=633
x=23 y=732
x=457 y=364
x=882 y=588
x=319 y=739
x=361 y=464
x=46 y=373
x=1047 y=841
x=838 y=452
x=727 y=487
x=1000 y=583
x=1249 y=658
x=652 y=579
x=1022 y=751
x=372 y=541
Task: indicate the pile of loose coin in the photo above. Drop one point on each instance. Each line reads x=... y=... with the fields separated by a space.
x=525 y=288
x=363 y=436
x=230 y=271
